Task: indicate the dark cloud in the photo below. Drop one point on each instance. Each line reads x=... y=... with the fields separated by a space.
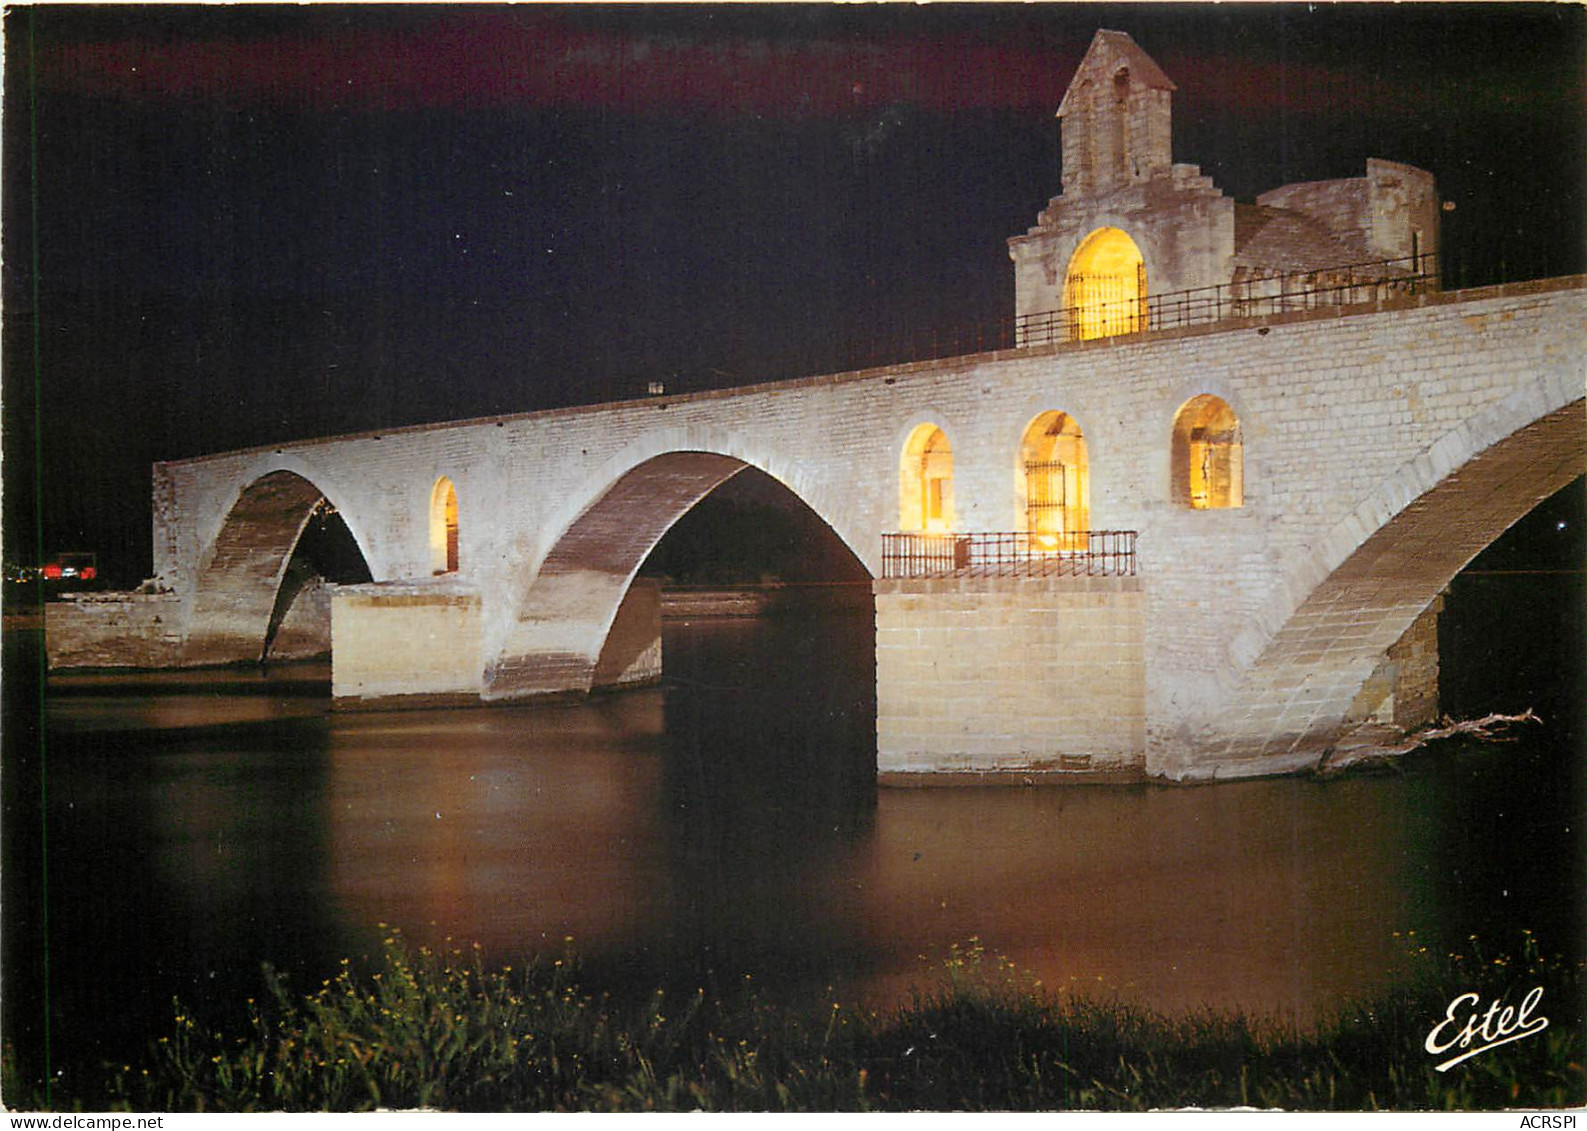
x=831 y=63
x=258 y=223
x=477 y=60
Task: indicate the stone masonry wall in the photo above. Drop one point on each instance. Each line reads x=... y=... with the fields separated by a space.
x=305 y=630
x=1381 y=209
x=392 y=644
x=1342 y=206
x=113 y=630
x=632 y=655
x=1403 y=689
x=1415 y=661
x=1010 y=674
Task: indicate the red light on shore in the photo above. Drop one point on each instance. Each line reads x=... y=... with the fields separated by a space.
x=88 y=573
x=52 y=572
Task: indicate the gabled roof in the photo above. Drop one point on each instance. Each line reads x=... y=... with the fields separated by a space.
x=1123 y=51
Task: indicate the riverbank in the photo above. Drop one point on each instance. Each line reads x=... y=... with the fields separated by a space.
x=435 y=1029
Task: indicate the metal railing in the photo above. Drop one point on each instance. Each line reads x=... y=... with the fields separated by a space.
x=1348 y=284
x=1023 y=553
x=860 y=338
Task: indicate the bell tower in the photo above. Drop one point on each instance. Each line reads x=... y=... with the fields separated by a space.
x=1115 y=118
x=1129 y=223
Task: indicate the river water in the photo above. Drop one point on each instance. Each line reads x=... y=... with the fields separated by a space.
x=726 y=823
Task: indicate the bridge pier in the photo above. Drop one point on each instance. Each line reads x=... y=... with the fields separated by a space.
x=580 y=651
x=631 y=656
x=1403 y=690
x=405 y=644
x=421 y=644
x=114 y=630
x=1009 y=675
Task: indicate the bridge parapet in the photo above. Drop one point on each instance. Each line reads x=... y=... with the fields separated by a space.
x=1370 y=284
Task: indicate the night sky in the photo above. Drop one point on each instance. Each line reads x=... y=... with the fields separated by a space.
x=254 y=224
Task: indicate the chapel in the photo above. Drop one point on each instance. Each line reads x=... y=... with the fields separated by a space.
x=1131 y=223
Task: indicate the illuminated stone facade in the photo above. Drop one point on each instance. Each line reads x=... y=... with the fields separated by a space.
x=1382 y=449
x=1119 y=177
x=1304 y=486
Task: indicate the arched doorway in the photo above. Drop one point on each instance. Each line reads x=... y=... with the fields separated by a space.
x=1055 y=480
x=925 y=482
x=1105 y=287
x=443 y=527
x=1208 y=455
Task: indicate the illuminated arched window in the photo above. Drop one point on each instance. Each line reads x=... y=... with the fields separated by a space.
x=1105 y=287
x=1208 y=455
x=443 y=527
x=925 y=481
x=1056 y=483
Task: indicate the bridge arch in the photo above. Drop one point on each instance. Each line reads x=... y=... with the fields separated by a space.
x=836 y=506
x=555 y=642
x=1297 y=669
x=240 y=574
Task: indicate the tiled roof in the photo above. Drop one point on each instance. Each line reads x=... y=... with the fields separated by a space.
x=1277 y=239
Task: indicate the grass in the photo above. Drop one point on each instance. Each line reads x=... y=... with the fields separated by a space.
x=436 y=1029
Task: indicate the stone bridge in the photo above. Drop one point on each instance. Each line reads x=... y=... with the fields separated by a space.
x=1292 y=546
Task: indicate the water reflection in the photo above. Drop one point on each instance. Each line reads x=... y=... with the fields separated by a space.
x=1258 y=895
x=724 y=824
x=502 y=827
